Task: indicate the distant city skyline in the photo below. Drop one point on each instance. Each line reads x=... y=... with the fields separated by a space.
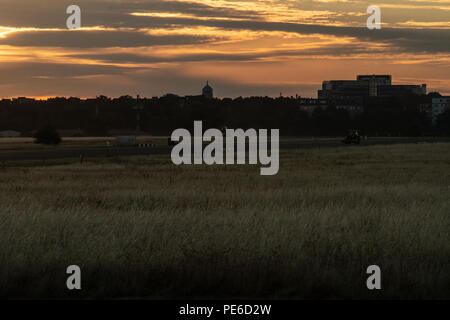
x=244 y=48
x=207 y=91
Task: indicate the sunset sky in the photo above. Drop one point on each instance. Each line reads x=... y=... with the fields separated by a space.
x=243 y=47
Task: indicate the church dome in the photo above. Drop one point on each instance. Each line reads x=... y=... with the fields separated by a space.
x=207 y=88
x=207 y=91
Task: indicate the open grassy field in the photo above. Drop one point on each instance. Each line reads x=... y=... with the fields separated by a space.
x=142 y=227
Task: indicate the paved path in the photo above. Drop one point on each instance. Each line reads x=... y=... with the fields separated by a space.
x=62 y=152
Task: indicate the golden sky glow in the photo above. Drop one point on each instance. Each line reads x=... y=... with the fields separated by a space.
x=242 y=47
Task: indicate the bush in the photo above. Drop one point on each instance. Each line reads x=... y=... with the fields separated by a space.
x=47 y=135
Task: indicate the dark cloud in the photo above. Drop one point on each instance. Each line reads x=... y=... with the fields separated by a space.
x=52 y=14
x=111 y=13
x=97 y=39
x=416 y=40
x=335 y=50
x=411 y=40
x=138 y=58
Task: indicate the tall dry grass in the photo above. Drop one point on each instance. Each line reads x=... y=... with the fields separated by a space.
x=142 y=227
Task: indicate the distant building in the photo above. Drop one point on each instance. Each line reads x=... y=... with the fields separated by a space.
x=121 y=132
x=381 y=80
x=308 y=105
x=356 y=91
x=207 y=91
x=352 y=109
x=375 y=81
x=402 y=90
x=342 y=89
x=10 y=134
x=438 y=106
x=425 y=107
x=126 y=141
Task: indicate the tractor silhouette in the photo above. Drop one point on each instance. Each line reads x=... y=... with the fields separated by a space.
x=353 y=136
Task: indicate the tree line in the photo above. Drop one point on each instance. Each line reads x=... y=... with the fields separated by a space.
x=162 y=115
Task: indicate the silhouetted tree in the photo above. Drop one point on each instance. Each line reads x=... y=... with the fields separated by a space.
x=161 y=115
x=95 y=127
x=47 y=135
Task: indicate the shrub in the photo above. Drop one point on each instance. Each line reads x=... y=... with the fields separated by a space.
x=47 y=135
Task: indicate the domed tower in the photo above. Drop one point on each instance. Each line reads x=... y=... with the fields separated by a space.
x=207 y=91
